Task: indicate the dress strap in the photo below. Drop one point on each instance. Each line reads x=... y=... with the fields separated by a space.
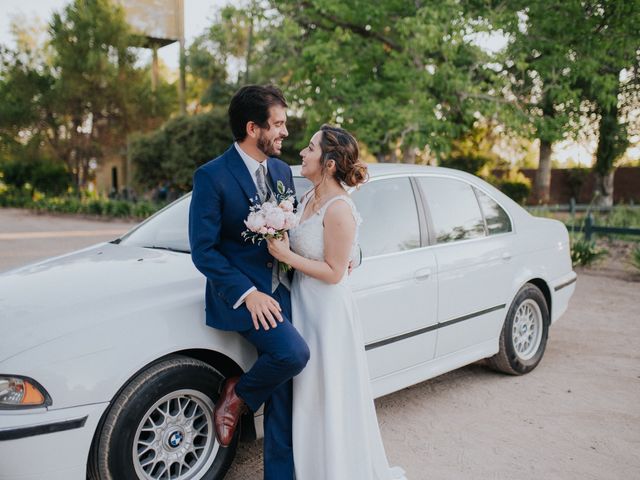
x=348 y=200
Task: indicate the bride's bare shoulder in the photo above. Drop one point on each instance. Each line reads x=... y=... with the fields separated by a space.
x=339 y=211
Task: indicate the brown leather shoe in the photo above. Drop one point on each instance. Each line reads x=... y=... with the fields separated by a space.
x=227 y=412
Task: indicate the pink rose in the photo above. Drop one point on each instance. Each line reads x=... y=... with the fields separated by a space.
x=275 y=219
x=271 y=231
x=290 y=220
x=263 y=230
x=255 y=221
x=286 y=205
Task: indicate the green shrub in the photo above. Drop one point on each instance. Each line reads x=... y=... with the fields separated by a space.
x=12 y=197
x=514 y=184
x=635 y=256
x=467 y=163
x=83 y=204
x=144 y=209
x=170 y=154
x=37 y=175
x=516 y=190
x=585 y=252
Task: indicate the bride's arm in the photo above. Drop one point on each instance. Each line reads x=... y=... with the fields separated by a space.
x=339 y=233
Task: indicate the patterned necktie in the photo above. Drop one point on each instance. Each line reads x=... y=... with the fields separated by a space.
x=260 y=182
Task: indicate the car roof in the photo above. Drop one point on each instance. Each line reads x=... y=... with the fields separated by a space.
x=385 y=169
x=379 y=170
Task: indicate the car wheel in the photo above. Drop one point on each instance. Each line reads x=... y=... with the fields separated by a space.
x=161 y=426
x=524 y=334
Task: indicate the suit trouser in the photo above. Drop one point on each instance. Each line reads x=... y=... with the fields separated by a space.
x=282 y=354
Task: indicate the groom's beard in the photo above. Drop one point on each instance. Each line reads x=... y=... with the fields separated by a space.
x=268 y=147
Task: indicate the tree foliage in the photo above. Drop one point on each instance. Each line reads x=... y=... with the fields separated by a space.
x=79 y=102
x=565 y=64
x=170 y=155
x=401 y=75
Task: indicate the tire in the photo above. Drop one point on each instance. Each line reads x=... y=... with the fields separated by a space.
x=163 y=420
x=524 y=334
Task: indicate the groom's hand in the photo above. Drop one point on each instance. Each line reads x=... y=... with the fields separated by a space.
x=264 y=310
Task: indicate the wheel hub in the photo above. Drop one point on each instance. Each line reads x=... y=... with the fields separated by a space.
x=175 y=439
x=527 y=329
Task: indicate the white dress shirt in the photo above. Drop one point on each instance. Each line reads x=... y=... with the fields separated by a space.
x=252 y=165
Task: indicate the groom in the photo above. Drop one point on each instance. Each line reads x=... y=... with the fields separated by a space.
x=243 y=291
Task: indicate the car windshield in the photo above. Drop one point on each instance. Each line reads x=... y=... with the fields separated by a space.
x=166 y=230
x=169 y=228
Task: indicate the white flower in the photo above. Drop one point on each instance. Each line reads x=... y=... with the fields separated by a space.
x=275 y=218
x=286 y=205
x=290 y=220
x=268 y=207
x=255 y=221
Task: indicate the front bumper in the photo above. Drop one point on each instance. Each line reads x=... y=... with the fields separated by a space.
x=51 y=444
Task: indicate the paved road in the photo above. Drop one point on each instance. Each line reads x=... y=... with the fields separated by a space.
x=577 y=416
x=26 y=237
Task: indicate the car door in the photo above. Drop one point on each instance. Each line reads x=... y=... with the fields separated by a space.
x=474 y=262
x=395 y=286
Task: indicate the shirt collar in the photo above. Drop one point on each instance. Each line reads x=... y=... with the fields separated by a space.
x=251 y=163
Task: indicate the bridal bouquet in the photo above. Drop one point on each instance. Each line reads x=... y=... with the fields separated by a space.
x=271 y=219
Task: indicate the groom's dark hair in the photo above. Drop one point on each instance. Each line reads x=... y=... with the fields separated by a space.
x=251 y=104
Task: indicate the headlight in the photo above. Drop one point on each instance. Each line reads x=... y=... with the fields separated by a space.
x=21 y=392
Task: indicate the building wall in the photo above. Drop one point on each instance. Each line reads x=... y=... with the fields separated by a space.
x=626 y=185
x=104 y=174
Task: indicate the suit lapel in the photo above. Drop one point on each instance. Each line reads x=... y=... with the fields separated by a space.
x=275 y=175
x=239 y=170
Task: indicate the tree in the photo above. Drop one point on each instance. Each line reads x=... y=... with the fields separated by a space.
x=613 y=49
x=234 y=42
x=22 y=89
x=79 y=100
x=400 y=75
x=474 y=151
x=566 y=64
x=541 y=65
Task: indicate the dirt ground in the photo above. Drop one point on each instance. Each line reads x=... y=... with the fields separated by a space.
x=577 y=416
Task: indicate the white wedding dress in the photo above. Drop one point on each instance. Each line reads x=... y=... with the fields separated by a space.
x=335 y=428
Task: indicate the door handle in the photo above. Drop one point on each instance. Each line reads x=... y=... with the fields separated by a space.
x=506 y=256
x=423 y=274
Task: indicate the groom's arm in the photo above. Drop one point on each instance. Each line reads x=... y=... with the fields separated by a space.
x=205 y=220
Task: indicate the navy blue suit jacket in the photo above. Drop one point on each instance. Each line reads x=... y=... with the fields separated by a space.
x=223 y=191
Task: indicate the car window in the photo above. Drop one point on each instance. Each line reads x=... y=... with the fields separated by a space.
x=168 y=228
x=302 y=186
x=389 y=216
x=453 y=208
x=494 y=215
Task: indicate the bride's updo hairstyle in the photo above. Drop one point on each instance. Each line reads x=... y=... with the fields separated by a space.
x=339 y=145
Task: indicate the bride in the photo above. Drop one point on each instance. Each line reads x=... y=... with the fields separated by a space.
x=335 y=429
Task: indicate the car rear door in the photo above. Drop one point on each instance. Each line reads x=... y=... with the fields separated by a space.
x=474 y=262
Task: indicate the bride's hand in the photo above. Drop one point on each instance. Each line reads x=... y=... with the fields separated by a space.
x=279 y=248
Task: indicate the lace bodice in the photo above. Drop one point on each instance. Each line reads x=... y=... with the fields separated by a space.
x=307 y=239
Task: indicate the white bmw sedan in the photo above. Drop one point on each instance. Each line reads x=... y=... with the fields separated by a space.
x=107 y=369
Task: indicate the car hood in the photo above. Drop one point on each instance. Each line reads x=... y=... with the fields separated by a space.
x=44 y=301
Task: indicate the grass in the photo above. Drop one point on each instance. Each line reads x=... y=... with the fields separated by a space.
x=620 y=216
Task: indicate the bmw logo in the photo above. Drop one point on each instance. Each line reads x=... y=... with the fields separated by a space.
x=175 y=439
